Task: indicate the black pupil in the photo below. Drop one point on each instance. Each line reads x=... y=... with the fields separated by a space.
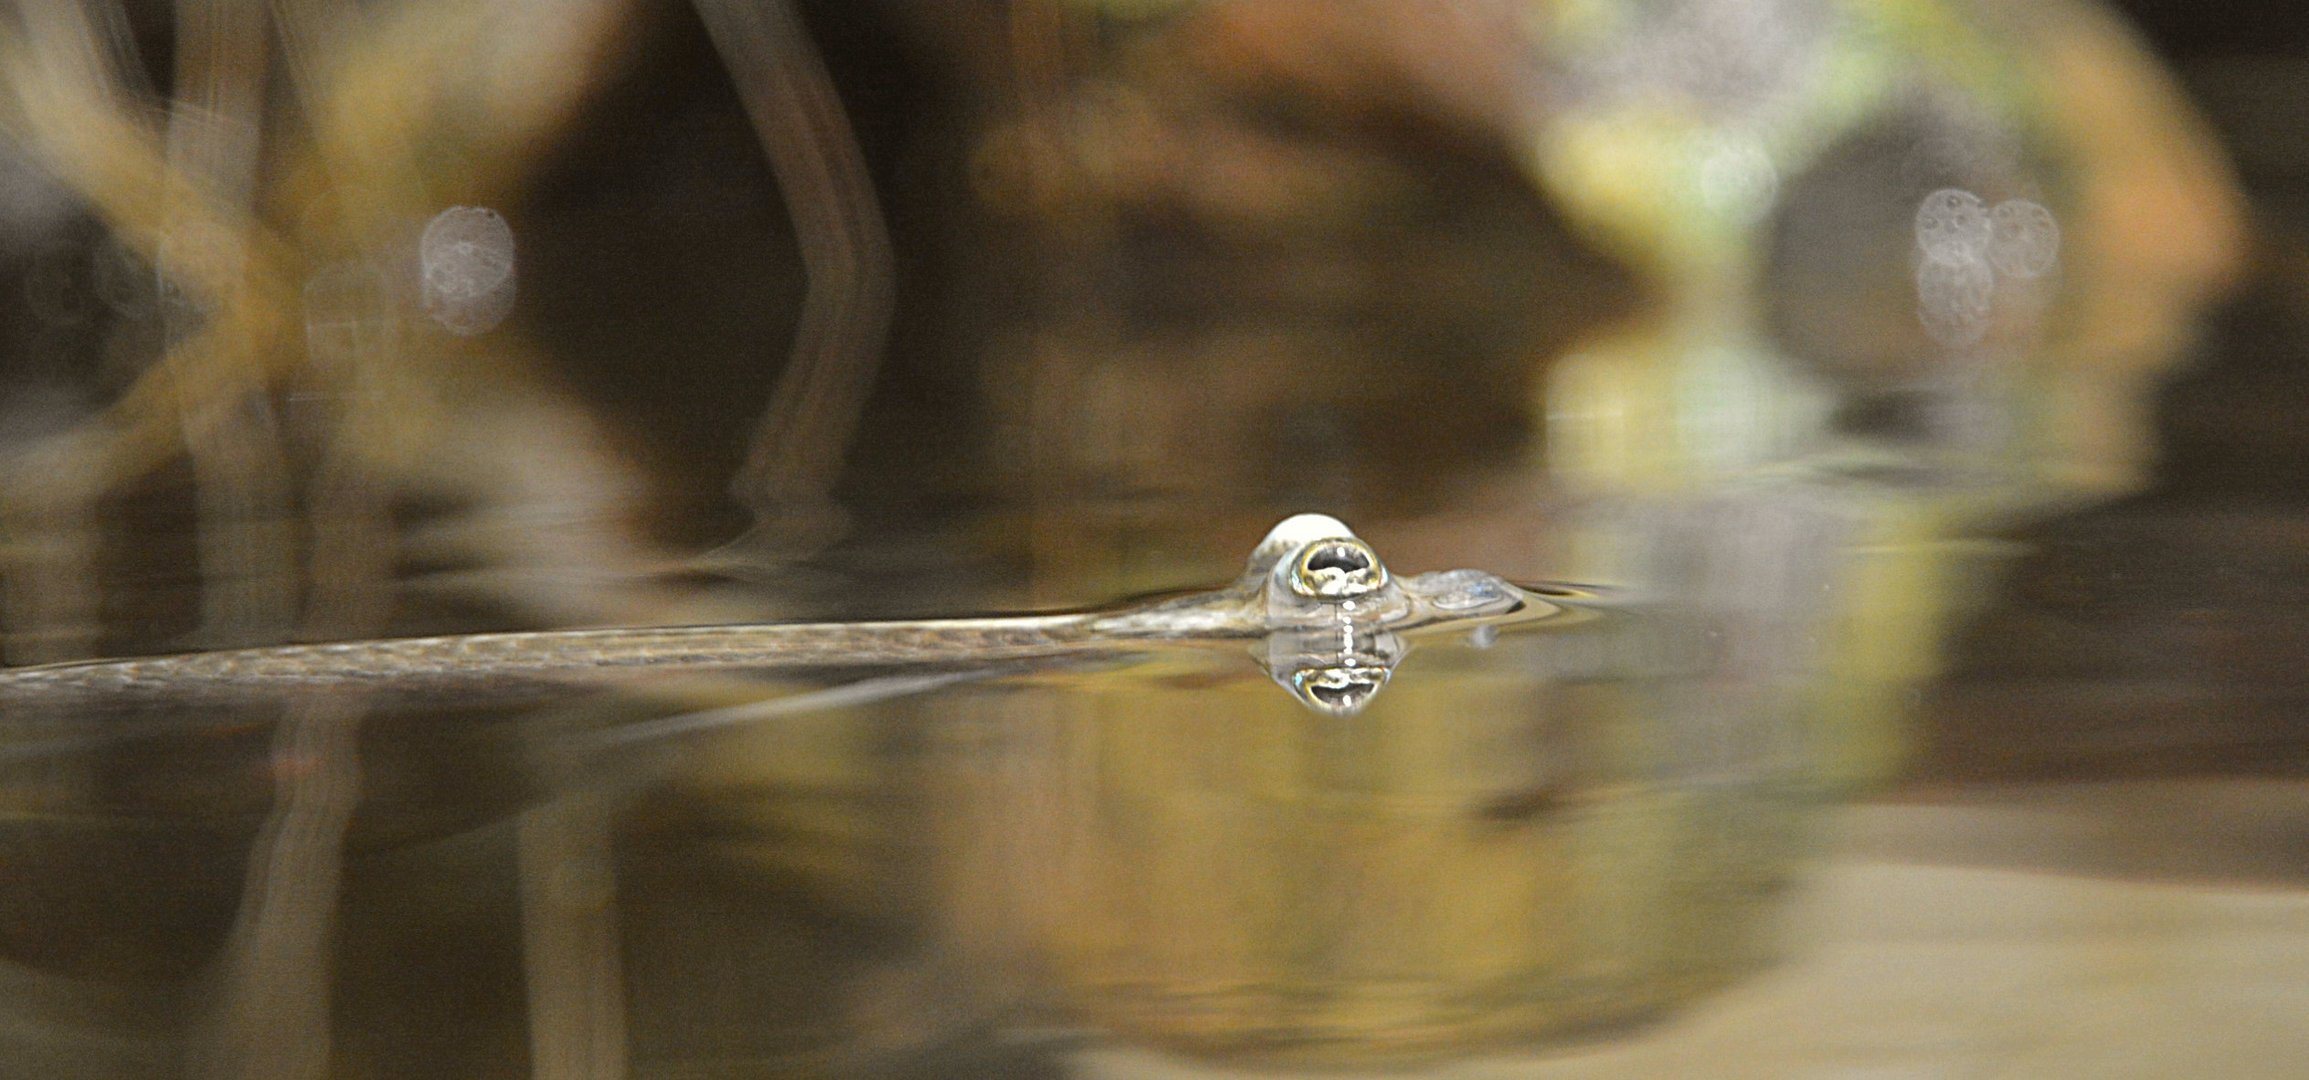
x=1345 y=694
x=1341 y=558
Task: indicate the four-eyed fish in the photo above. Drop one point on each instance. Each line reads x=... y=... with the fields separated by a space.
x=1318 y=609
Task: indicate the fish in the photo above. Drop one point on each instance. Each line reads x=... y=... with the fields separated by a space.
x=1319 y=609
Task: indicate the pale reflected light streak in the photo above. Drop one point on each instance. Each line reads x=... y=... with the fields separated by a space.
x=569 y=924
x=798 y=450
x=269 y=1017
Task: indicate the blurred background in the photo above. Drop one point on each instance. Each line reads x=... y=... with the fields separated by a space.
x=1936 y=360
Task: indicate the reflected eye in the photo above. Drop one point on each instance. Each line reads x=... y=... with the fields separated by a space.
x=1339 y=691
x=1337 y=570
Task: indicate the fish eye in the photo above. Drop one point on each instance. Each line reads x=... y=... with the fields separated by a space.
x=1339 y=569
